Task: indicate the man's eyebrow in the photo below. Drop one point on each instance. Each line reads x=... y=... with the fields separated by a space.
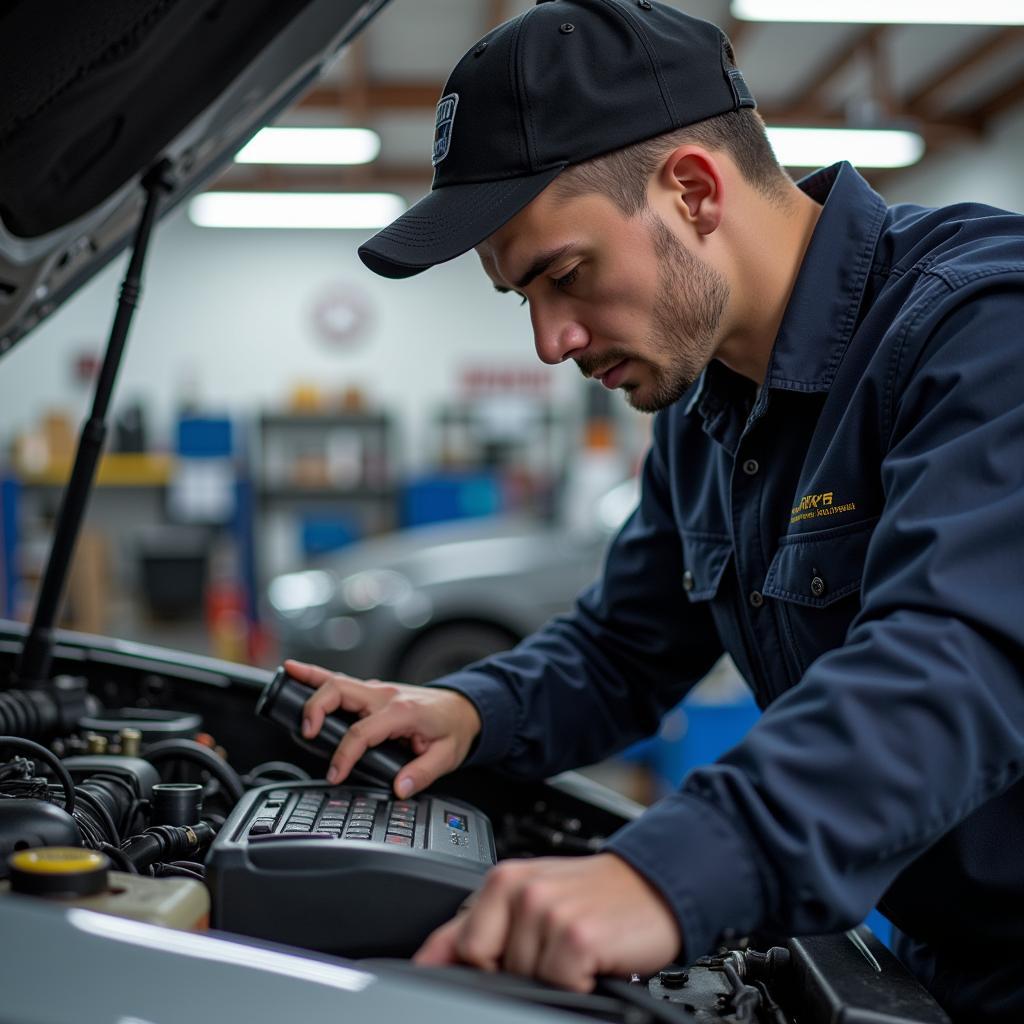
x=539 y=265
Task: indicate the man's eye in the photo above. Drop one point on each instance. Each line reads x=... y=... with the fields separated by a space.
x=567 y=279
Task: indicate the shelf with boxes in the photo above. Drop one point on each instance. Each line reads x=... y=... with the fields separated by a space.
x=322 y=479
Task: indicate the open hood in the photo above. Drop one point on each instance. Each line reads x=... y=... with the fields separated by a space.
x=92 y=94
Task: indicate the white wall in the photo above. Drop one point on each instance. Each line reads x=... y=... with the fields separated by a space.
x=231 y=311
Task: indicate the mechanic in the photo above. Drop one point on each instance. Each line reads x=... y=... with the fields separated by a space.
x=834 y=495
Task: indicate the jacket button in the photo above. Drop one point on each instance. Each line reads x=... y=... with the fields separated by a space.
x=818 y=586
x=757 y=598
x=688 y=580
x=750 y=467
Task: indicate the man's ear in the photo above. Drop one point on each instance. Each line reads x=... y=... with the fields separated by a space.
x=696 y=186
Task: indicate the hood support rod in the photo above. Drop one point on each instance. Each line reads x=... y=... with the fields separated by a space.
x=33 y=667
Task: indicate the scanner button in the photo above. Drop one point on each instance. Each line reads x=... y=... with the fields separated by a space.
x=398 y=840
x=399 y=830
x=261 y=826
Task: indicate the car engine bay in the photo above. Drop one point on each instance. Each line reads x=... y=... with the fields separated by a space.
x=156 y=761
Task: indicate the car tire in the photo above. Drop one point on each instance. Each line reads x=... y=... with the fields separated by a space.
x=450 y=647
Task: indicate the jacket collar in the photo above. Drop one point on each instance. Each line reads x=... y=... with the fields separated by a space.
x=824 y=307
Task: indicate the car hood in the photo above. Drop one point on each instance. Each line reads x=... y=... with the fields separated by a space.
x=92 y=95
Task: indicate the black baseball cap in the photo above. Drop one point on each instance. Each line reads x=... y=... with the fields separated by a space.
x=565 y=81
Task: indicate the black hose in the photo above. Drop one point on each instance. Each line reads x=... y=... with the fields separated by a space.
x=167 y=842
x=289 y=771
x=173 y=871
x=94 y=805
x=40 y=753
x=120 y=860
x=27 y=712
x=189 y=750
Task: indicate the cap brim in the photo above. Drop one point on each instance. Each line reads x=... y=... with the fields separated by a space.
x=449 y=221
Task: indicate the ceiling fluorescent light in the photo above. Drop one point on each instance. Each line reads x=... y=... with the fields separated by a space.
x=897 y=12
x=295 y=209
x=311 y=146
x=863 y=147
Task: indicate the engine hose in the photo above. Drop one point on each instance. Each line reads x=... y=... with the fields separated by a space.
x=166 y=842
x=27 y=713
x=189 y=750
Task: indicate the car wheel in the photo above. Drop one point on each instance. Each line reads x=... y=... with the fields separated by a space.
x=448 y=648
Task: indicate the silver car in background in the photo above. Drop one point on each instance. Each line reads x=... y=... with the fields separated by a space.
x=419 y=603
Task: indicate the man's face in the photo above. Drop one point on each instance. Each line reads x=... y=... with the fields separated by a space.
x=621 y=296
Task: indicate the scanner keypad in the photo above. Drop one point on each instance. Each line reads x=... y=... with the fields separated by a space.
x=335 y=814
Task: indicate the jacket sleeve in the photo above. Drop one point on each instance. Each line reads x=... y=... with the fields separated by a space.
x=592 y=681
x=895 y=737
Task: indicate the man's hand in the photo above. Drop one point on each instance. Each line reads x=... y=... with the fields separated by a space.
x=439 y=724
x=560 y=919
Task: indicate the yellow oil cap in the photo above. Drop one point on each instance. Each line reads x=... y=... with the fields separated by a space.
x=58 y=871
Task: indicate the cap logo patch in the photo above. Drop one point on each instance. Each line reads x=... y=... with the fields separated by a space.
x=443 y=126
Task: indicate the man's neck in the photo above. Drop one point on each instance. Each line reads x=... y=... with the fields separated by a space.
x=774 y=242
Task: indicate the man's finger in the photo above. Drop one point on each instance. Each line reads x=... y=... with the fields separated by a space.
x=567 y=959
x=311 y=675
x=439 y=947
x=338 y=691
x=485 y=927
x=527 y=929
x=419 y=773
x=390 y=722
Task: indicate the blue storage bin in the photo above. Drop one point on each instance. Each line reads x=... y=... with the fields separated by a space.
x=442 y=497
x=204 y=437
x=323 y=534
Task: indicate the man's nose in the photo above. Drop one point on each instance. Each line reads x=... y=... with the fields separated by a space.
x=557 y=337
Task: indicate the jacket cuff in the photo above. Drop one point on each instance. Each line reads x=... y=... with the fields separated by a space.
x=701 y=865
x=496 y=707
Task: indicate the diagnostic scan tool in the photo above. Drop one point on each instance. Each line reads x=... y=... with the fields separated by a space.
x=347 y=869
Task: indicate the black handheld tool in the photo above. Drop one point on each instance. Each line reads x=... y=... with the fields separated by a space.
x=283 y=700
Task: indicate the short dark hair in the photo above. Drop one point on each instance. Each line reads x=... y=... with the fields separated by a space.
x=623 y=174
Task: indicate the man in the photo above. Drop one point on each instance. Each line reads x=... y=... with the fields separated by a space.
x=834 y=495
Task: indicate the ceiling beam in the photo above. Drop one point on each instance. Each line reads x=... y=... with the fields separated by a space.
x=1007 y=97
x=859 y=42
x=922 y=101
x=381 y=95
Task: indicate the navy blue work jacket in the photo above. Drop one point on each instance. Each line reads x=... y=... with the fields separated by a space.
x=853 y=535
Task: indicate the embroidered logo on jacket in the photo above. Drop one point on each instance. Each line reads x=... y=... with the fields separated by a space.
x=443 y=124
x=814 y=505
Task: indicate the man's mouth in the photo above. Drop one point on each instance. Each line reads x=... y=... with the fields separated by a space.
x=612 y=377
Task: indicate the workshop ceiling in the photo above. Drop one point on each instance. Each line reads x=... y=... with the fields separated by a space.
x=950 y=82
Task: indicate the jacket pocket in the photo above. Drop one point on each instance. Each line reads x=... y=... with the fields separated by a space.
x=816 y=577
x=705 y=556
